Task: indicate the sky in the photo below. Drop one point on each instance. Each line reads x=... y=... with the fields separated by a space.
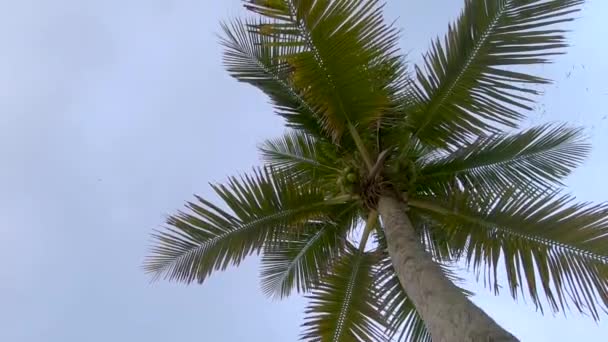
x=114 y=113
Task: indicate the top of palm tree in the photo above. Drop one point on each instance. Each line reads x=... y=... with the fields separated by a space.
x=362 y=124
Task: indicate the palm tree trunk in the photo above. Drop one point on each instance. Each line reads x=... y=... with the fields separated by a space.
x=449 y=315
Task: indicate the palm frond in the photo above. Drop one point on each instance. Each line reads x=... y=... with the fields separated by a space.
x=254 y=59
x=544 y=239
x=342 y=307
x=341 y=56
x=299 y=258
x=467 y=86
x=404 y=322
x=206 y=238
x=302 y=156
x=542 y=155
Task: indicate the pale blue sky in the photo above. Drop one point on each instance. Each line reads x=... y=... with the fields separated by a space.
x=113 y=113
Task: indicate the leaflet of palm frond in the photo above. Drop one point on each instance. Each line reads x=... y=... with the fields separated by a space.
x=471 y=83
x=545 y=241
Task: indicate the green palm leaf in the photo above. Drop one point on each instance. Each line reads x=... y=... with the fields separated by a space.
x=544 y=239
x=342 y=307
x=252 y=58
x=466 y=88
x=207 y=238
x=341 y=56
x=302 y=156
x=542 y=155
x=404 y=322
x=299 y=258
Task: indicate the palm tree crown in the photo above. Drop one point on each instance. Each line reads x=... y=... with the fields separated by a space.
x=440 y=139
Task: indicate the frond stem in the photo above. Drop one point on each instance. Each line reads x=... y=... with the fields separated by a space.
x=372 y=219
x=361 y=147
x=378 y=165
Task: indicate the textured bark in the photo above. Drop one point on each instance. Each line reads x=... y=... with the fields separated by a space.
x=449 y=315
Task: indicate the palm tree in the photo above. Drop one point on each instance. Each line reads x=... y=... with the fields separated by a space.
x=388 y=178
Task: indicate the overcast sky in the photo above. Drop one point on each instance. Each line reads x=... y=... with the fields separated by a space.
x=113 y=113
